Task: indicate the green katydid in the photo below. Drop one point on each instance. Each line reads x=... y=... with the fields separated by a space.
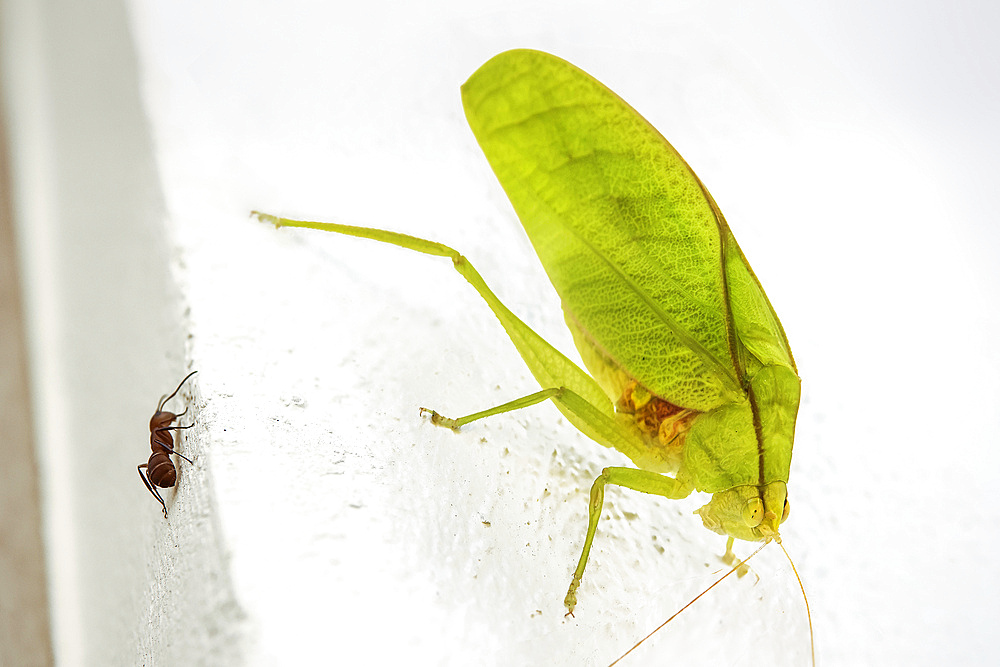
x=691 y=374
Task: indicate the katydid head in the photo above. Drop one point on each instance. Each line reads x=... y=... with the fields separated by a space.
x=748 y=512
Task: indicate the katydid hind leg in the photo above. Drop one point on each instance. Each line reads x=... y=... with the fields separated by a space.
x=577 y=395
x=549 y=366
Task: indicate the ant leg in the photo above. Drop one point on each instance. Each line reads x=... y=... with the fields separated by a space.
x=176 y=428
x=168 y=447
x=152 y=489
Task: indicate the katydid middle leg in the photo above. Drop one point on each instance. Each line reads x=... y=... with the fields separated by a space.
x=525 y=401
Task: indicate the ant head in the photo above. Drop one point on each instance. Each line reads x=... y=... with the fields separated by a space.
x=161 y=419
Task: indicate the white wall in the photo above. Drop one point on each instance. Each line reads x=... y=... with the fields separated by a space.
x=323 y=520
x=107 y=336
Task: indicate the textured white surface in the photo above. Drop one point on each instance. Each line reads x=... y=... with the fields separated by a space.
x=354 y=532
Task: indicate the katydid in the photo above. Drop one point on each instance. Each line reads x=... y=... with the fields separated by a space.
x=691 y=376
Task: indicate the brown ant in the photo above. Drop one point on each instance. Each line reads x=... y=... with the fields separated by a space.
x=160 y=470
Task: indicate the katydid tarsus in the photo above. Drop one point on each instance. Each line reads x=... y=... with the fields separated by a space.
x=691 y=375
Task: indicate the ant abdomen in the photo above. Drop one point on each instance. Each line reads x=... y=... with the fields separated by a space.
x=161 y=470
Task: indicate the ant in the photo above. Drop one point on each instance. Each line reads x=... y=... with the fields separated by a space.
x=160 y=470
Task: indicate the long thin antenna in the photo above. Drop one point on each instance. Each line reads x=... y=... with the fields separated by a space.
x=719 y=581
x=812 y=642
x=163 y=401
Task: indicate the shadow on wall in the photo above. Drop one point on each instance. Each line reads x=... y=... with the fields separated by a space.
x=24 y=616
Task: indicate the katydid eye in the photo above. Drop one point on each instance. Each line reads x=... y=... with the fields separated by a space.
x=753 y=512
x=785 y=511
